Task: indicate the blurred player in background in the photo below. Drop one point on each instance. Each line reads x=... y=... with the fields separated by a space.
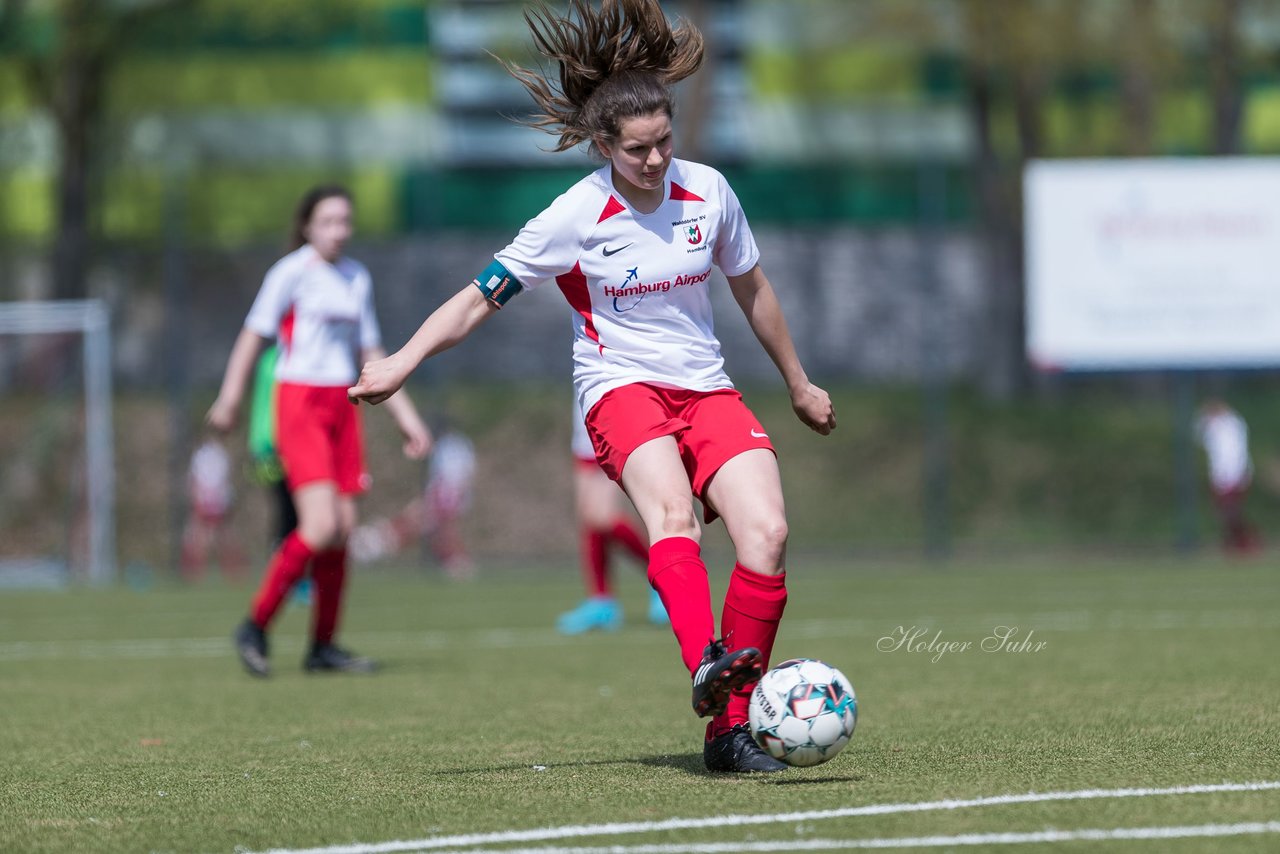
x=1225 y=438
x=602 y=523
x=631 y=247
x=210 y=493
x=448 y=497
x=318 y=305
x=433 y=517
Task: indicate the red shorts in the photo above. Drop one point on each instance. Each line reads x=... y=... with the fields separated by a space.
x=210 y=514
x=318 y=434
x=585 y=463
x=710 y=428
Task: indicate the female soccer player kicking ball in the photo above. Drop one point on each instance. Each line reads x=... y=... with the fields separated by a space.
x=631 y=248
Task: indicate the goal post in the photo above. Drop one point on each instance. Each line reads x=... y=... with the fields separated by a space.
x=96 y=480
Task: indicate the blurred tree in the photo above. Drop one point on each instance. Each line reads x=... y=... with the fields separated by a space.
x=1137 y=75
x=1037 y=75
x=1226 y=85
x=65 y=50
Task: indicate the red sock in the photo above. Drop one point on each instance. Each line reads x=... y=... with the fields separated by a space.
x=330 y=573
x=627 y=535
x=595 y=562
x=752 y=609
x=288 y=564
x=676 y=571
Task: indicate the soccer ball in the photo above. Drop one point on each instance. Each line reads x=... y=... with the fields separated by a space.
x=803 y=712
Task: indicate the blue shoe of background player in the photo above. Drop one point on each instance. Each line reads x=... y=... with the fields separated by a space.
x=302 y=592
x=657 y=611
x=598 y=612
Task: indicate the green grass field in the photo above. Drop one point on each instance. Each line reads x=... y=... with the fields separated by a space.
x=129 y=726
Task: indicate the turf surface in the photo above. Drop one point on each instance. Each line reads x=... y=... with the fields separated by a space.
x=127 y=724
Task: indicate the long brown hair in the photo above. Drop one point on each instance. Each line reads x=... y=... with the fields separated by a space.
x=615 y=63
x=307 y=206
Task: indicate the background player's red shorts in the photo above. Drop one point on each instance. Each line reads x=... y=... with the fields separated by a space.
x=587 y=463
x=319 y=437
x=710 y=428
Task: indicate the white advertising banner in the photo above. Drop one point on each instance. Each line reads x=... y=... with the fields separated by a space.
x=1139 y=264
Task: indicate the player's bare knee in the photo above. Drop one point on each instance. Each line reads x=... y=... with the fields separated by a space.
x=677 y=520
x=320 y=534
x=764 y=546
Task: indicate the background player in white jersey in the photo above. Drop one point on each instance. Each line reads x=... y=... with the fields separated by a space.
x=631 y=247
x=211 y=495
x=1225 y=438
x=602 y=524
x=318 y=305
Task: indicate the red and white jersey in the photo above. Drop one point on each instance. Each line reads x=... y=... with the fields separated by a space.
x=321 y=315
x=638 y=283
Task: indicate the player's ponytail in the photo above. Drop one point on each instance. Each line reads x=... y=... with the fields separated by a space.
x=615 y=63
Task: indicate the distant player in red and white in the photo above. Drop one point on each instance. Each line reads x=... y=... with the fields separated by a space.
x=318 y=305
x=211 y=494
x=602 y=525
x=1225 y=438
x=631 y=247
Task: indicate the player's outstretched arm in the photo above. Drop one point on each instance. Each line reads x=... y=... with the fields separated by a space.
x=244 y=354
x=759 y=303
x=446 y=326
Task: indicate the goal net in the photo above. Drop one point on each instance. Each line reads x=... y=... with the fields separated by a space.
x=57 y=472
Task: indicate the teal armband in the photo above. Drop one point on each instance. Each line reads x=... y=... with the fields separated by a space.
x=497 y=284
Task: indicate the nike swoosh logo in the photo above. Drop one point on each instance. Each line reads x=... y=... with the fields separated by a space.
x=755 y=435
x=607 y=251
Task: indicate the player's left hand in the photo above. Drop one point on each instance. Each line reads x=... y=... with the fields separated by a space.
x=417 y=440
x=813 y=406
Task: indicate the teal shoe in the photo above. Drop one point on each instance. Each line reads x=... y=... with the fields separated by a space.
x=657 y=611
x=598 y=612
x=302 y=592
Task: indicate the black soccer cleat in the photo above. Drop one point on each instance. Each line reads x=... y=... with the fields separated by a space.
x=251 y=644
x=330 y=657
x=721 y=672
x=737 y=752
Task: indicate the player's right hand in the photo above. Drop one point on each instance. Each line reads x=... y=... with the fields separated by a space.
x=222 y=415
x=379 y=379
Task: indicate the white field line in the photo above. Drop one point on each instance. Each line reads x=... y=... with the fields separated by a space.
x=440 y=843
x=1042 y=622
x=1084 y=835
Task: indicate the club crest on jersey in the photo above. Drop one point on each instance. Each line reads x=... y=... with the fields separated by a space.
x=693 y=234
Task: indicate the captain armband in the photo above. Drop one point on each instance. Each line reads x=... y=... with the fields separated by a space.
x=497 y=284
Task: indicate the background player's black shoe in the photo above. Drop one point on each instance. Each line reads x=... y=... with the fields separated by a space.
x=251 y=644
x=737 y=751
x=721 y=672
x=327 y=656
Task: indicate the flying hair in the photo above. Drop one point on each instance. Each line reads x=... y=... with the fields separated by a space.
x=616 y=62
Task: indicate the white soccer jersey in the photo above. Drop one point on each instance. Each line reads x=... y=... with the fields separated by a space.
x=210 y=477
x=1226 y=442
x=638 y=282
x=320 y=313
